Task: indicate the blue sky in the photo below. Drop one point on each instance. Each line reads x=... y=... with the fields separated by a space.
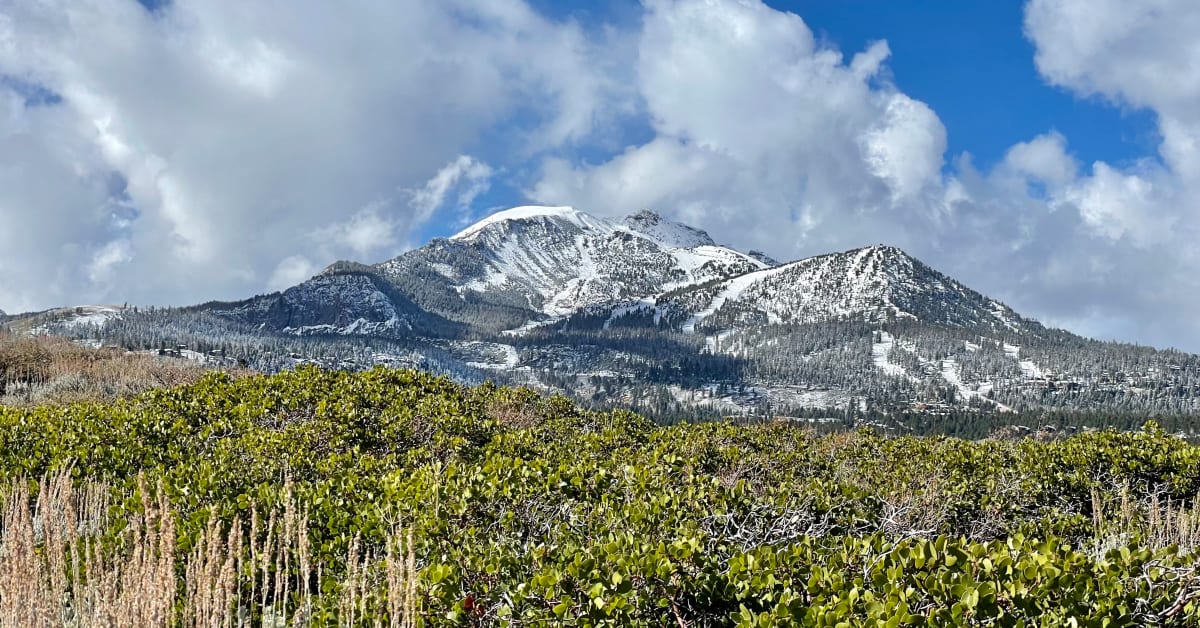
x=970 y=61
x=177 y=151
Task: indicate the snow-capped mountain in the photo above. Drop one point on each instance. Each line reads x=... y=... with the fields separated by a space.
x=873 y=284
x=648 y=312
x=528 y=265
x=555 y=261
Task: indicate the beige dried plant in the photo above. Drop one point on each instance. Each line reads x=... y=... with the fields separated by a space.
x=56 y=568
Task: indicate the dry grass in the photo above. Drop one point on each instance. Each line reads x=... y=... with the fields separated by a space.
x=1156 y=522
x=515 y=415
x=38 y=370
x=55 y=570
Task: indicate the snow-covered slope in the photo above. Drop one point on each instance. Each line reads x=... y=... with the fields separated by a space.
x=874 y=284
x=555 y=261
x=64 y=320
x=530 y=264
x=87 y=315
x=529 y=213
x=665 y=232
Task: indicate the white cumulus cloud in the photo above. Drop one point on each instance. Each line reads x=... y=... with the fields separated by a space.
x=237 y=130
x=773 y=141
x=216 y=148
x=763 y=134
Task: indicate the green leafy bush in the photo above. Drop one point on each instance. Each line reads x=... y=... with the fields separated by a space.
x=526 y=510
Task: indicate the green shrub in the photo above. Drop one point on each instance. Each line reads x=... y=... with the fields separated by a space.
x=526 y=510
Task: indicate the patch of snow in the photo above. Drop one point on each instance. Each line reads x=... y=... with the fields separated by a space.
x=951 y=373
x=803 y=396
x=732 y=290
x=715 y=344
x=1031 y=370
x=692 y=261
x=444 y=270
x=569 y=299
x=629 y=308
x=360 y=327
x=69 y=318
x=511 y=357
x=879 y=355
x=86 y=315
x=507 y=357
x=1028 y=367
x=94 y=316
x=492 y=279
x=1003 y=313
x=528 y=327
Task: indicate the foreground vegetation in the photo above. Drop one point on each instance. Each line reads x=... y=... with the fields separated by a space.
x=394 y=498
x=38 y=370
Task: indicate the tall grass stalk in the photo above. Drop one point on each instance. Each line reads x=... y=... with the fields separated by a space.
x=62 y=564
x=1157 y=523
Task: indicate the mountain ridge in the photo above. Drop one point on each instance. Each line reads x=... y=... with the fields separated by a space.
x=645 y=312
x=554 y=261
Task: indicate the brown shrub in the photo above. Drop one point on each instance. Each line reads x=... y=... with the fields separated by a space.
x=48 y=370
x=515 y=414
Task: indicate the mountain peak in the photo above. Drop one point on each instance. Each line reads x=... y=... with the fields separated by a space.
x=872 y=283
x=522 y=213
x=764 y=258
x=650 y=223
x=885 y=250
x=644 y=217
x=346 y=266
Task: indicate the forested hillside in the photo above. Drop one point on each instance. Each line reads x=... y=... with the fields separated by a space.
x=397 y=498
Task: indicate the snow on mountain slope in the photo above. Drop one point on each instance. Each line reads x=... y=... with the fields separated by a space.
x=89 y=315
x=599 y=304
x=665 y=232
x=873 y=283
x=880 y=352
x=554 y=261
x=64 y=319
x=952 y=374
x=525 y=213
x=731 y=290
x=1028 y=367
